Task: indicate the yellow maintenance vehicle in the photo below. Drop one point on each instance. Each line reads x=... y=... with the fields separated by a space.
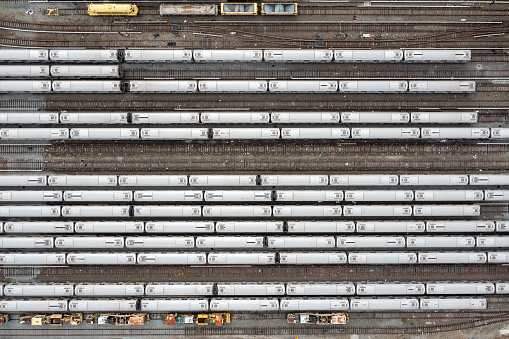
x=112 y=9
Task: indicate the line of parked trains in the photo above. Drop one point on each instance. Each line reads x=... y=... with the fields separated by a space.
x=236 y=86
x=232 y=55
x=234 y=289
x=253 y=242
x=238 y=211
x=254 y=196
x=252 y=258
x=258 y=180
x=242 y=8
x=255 y=227
x=239 y=117
x=251 y=133
x=240 y=304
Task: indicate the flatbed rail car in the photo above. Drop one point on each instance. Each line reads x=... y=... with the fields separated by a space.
x=112 y=9
x=279 y=8
x=57 y=319
x=188 y=9
x=239 y=8
x=202 y=319
x=318 y=318
x=135 y=319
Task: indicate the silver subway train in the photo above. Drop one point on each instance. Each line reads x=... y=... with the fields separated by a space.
x=237 y=86
x=244 y=195
x=268 y=180
x=233 y=55
x=258 y=227
x=252 y=258
x=240 y=242
x=205 y=304
x=380 y=133
x=241 y=117
x=242 y=289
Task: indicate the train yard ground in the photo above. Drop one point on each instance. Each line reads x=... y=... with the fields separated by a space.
x=480 y=26
x=330 y=25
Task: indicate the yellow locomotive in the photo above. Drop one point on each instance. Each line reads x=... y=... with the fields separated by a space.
x=112 y=9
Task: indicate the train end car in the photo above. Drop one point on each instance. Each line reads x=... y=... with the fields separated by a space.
x=441 y=86
x=34 y=305
x=453 y=304
x=25 y=71
x=30 y=86
x=23 y=55
x=428 y=55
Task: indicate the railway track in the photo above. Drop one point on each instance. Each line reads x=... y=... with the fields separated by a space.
x=279 y=34
x=264 y=150
x=98 y=164
x=262 y=27
x=258 y=102
x=251 y=331
x=314 y=27
x=479 y=56
x=316 y=273
x=249 y=157
x=214 y=41
x=248 y=331
x=389 y=315
x=216 y=164
x=477 y=11
x=335 y=72
x=278 y=149
x=260 y=156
